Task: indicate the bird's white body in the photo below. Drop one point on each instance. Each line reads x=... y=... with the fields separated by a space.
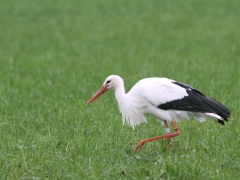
x=142 y=99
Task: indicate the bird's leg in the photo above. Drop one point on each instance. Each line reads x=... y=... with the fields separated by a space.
x=167 y=130
x=167 y=136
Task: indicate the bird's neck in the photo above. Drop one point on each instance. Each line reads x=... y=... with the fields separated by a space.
x=120 y=93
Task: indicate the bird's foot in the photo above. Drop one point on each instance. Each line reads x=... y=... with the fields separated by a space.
x=167 y=136
x=139 y=145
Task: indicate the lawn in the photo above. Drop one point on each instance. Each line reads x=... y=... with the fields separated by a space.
x=54 y=55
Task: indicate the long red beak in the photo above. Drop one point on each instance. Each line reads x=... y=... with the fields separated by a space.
x=102 y=90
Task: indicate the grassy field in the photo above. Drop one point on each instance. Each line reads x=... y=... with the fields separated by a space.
x=54 y=55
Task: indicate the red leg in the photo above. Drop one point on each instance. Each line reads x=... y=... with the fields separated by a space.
x=167 y=132
x=167 y=136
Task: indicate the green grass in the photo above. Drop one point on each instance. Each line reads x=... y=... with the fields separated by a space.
x=54 y=55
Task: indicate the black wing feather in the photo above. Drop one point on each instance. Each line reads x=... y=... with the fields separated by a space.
x=196 y=102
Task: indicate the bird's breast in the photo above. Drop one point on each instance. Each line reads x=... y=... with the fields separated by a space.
x=132 y=112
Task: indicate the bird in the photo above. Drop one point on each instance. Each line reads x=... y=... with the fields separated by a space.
x=167 y=100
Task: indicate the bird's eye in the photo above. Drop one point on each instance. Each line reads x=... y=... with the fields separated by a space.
x=108 y=81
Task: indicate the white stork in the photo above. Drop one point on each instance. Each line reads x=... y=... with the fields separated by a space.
x=166 y=99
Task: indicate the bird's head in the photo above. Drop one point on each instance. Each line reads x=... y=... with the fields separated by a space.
x=111 y=82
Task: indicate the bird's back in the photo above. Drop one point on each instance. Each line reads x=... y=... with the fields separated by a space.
x=157 y=90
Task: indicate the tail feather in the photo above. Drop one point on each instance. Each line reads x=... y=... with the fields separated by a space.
x=218 y=118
